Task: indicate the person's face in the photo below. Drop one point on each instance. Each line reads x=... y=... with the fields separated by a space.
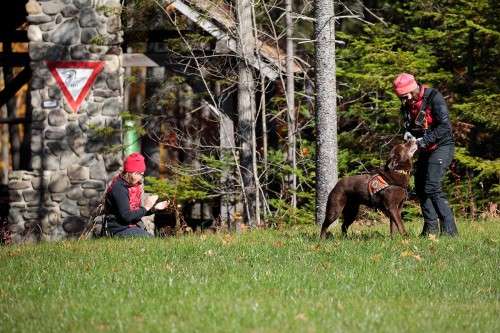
x=136 y=177
x=410 y=97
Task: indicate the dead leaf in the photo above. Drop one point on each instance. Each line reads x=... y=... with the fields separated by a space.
x=301 y=316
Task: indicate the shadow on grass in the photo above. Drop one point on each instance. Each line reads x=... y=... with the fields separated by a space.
x=367 y=235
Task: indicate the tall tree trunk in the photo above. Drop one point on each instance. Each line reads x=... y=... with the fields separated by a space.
x=290 y=99
x=326 y=106
x=150 y=146
x=246 y=109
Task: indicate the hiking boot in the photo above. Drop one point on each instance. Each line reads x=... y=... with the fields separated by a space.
x=430 y=228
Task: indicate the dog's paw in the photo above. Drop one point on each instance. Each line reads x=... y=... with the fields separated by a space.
x=326 y=235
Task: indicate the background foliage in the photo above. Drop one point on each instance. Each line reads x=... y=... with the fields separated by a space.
x=451 y=45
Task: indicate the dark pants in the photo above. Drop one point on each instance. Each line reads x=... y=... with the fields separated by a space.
x=117 y=230
x=134 y=231
x=429 y=172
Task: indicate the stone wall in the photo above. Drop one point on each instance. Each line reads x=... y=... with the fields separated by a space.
x=71 y=162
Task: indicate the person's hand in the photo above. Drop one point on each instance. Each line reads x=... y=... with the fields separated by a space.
x=408 y=136
x=150 y=201
x=420 y=143
x=162 y=205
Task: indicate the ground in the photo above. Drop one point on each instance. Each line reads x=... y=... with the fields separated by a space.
x=258 y=281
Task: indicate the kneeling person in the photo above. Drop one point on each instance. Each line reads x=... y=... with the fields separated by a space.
x=124 y=200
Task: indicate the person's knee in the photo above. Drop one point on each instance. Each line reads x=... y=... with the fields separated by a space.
x=432 y=190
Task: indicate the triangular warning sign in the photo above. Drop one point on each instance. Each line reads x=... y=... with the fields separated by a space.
x=75 y=78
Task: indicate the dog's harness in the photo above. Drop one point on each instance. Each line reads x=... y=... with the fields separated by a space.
x=376 y=184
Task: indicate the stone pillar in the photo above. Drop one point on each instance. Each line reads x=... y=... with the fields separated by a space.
x=72 y=161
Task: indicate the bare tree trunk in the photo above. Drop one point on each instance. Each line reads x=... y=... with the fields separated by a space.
x=246 y=109
x=265 y=165
x=290 y=100
x=150 y=146
x=326 y=106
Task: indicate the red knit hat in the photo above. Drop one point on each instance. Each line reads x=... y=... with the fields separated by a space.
x=404 y=83
x=134 y=163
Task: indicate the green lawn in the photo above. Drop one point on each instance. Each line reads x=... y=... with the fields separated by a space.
x=260 y=281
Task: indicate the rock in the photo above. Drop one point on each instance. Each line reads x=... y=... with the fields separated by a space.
x=79 y=52
x=114 y=82
x=112 y=107
x=70 y=207
x=52 y=7
x=90 y=36
x=30 y=195
x=34 y=33
x=57 y=117
x=70 y=11
x=90 y=193
x=33 y=7
x=47 y=27
x=75 y=193
x=88 y=18
x=93 y=184
x=112 y=63
x=45 y=51
x=51 y=162
x=83 y=3
x=98 y=170
x=112 y=162
x=68 y=33
x=59 y=183
x=54 y=134
x=78 y=173
x=19 y=185
x=37 y=19
x=58 y=197
x=68 y=158
x=74 y=224
x=15 y=196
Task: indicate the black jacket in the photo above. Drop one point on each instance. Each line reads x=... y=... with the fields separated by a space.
x=118 y=210
x=440 y=131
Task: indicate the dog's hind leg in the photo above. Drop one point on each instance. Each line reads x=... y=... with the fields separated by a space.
x=336 y=202
x=349 y=215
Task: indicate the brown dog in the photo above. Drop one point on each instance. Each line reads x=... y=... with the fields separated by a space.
x=384 y=189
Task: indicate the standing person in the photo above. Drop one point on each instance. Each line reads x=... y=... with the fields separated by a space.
x=426 y=119
x=124 y=200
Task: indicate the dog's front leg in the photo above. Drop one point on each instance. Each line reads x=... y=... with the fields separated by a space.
x=395 y=217
x=393 y=226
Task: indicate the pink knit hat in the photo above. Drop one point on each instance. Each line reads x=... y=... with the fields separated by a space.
x=134 y=163
x=404 y=83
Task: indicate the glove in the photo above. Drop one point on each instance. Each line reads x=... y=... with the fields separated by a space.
x=408 y=136
x=420 y=143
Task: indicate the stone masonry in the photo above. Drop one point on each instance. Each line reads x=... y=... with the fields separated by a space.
x=71 y=161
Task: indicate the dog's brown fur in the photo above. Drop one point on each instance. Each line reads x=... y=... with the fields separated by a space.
x=350 y=192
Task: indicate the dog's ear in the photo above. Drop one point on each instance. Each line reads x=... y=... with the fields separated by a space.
x=394 y=156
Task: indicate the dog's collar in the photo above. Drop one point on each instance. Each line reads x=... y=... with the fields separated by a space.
x=404 y=172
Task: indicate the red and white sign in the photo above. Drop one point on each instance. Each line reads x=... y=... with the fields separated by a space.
x=75 y=78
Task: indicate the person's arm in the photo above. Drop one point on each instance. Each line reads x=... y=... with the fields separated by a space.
x=441 y=118
x=121 y=198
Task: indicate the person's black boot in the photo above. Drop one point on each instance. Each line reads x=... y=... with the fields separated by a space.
x=430 y=228
x=448 y=227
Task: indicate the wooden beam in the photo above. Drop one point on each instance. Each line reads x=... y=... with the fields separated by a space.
x=13 y=86
x=13 y=121
x=155 y=35
x=138 y=60
x=17 y=59
x=14 y=36
x=222 y=36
